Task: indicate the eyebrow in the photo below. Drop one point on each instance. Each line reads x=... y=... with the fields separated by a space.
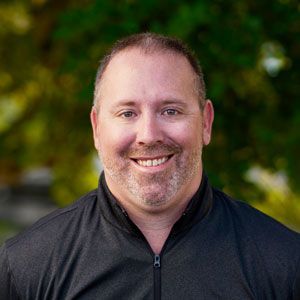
x=174 y=101
x=166 y=101
x=125 y=103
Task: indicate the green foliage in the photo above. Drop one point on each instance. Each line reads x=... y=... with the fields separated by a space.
x=49 y=52
x=276 y=198
x=7 y=230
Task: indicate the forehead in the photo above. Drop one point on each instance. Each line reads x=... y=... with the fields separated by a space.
x=131 y=59
x=134 y=73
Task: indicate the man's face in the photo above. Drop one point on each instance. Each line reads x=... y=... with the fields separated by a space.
x=149 y=130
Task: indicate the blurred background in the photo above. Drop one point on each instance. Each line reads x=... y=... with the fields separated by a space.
x=49 y=53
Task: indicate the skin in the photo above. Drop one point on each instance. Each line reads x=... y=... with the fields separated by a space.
x=148 y=109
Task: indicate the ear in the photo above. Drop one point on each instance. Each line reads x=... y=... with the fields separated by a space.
x=95 y=125
x=208 y=118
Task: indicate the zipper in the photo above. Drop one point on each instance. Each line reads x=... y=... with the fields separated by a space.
x=157 y=287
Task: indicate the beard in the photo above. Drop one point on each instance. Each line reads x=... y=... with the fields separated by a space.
x=153 y=190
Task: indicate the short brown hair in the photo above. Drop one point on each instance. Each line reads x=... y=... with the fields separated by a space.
x=149 y=43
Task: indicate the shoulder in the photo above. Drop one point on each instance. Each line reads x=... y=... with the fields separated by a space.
x=271 y=247
x=44 y=245
x=255 y=224
x=271 y=240
x=55 y=226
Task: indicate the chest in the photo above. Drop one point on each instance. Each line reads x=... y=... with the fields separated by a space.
x=113 y=265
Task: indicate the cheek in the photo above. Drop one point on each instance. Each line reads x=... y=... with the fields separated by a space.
x=187 y=134
x=115 y=139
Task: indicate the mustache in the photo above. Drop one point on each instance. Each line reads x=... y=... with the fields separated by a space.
x=152 y=150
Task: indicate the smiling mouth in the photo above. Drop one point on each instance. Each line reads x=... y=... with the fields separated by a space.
x=153 y=162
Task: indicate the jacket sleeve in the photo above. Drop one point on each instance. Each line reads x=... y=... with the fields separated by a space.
x=7 y=286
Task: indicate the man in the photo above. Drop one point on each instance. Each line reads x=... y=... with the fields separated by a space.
x=154 y=228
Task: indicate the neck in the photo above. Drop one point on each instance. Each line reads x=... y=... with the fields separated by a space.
x=156 y=227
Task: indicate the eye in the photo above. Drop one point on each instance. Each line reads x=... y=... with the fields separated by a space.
x=127 y=114
x=170 y=112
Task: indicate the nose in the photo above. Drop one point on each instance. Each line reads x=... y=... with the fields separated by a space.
x=149 y=130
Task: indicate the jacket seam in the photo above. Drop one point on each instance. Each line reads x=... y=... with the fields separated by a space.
x=12 y=274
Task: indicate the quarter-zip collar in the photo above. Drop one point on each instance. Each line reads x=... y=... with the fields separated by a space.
x=198 y=207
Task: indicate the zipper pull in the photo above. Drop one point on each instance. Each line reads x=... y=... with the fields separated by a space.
x=156 y=261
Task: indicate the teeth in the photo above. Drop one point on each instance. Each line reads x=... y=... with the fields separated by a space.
x=152 y=163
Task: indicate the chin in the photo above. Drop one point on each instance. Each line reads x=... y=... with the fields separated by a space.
x=153 y=196
x=153 y=199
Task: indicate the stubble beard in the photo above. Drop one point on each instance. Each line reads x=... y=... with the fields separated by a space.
x=154 y=190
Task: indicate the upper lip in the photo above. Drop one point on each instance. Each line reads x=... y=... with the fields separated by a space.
x=152 y=157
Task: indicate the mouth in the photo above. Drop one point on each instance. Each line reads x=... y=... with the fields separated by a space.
x=152 y=162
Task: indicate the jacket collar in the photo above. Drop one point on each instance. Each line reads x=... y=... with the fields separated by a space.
x=198 y=207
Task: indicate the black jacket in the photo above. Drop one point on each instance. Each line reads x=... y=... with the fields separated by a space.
x=219 y=249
